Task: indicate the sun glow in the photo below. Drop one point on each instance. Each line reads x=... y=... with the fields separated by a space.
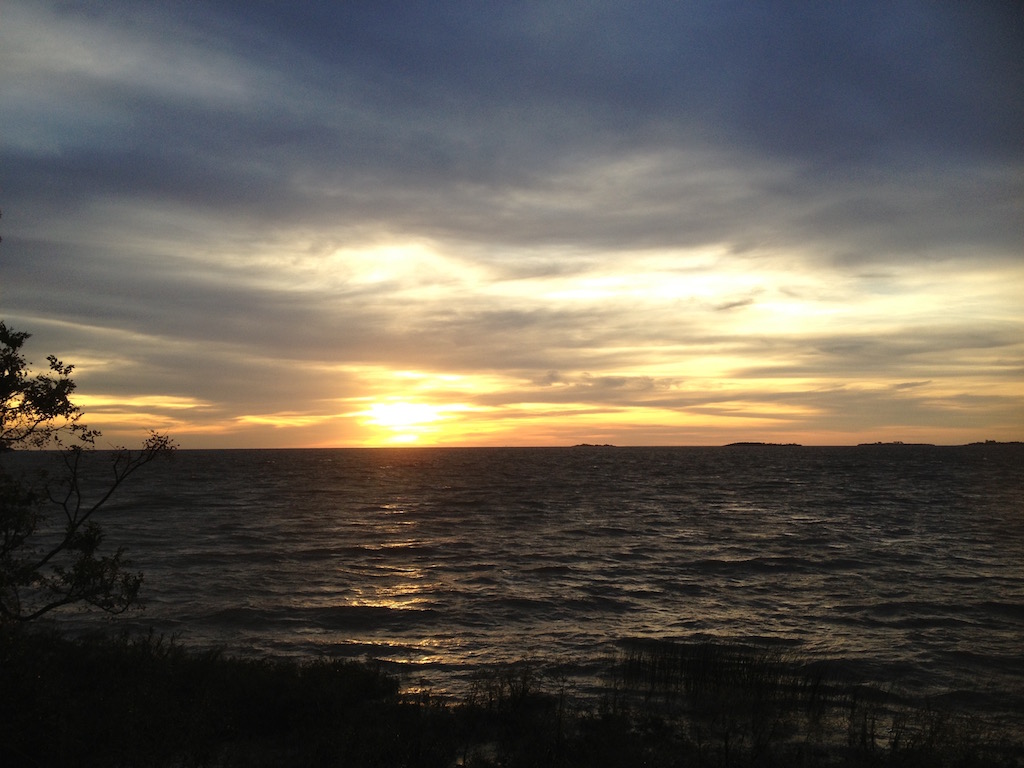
x=401 y=415
x=401 y=421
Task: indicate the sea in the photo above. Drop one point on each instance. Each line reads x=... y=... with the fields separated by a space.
x=902 y=566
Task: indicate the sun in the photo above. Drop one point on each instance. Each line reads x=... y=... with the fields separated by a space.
x=403 y=421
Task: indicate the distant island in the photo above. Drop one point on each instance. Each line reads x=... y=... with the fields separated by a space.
x=901 y=444
x=772 y=445
x=593 y=445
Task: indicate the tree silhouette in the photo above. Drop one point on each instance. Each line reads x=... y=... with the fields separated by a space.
x=51 y=552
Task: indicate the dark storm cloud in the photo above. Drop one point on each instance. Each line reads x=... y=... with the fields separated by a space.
x=835 y=80
x=384 y=101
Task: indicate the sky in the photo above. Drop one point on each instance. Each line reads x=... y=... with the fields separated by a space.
x=315 y=224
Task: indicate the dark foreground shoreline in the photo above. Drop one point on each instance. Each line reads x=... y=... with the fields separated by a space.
x=146 y=701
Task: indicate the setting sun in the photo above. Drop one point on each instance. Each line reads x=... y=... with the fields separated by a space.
x=402 y=421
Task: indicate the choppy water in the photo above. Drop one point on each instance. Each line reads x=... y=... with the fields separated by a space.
x=905 y=565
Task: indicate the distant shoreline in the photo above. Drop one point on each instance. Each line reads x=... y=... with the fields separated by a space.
x=738 y=444
x=746 y=443
x=901 y=444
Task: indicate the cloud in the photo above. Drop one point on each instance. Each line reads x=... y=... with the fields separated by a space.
x=690 y=206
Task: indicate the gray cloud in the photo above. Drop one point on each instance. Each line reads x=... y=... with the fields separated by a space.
x=178 y=183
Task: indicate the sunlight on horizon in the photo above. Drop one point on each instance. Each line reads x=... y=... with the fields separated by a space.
x=404 y=421
x=627 y=359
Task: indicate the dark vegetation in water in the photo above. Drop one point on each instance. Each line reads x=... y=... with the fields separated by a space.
x=144 y=701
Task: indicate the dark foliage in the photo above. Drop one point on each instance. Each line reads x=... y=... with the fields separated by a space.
x=51 y=544
x=148 y=702
x=145 y=701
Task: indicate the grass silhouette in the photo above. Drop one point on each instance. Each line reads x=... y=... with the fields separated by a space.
x=146 y=701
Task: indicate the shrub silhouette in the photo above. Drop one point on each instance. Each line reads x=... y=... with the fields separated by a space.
x=51 y=545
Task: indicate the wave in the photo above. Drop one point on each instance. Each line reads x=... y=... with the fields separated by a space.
x=879 y=558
